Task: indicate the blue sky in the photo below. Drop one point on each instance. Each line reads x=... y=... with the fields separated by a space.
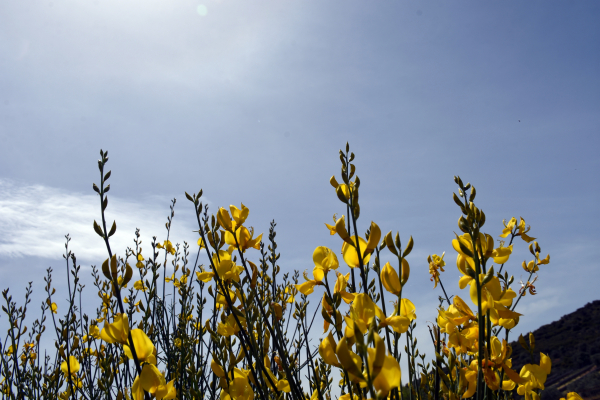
x=251 y=101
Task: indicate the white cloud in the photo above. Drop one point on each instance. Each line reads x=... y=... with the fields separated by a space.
x=34 y=220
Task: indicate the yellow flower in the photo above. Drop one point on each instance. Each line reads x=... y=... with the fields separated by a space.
x=54 y=308
x=342 y=397
x=281 y=385
x=341 y=284
x=500 y=359
x=239 y=217
x=327 y=350
x=502 y=253
x=239 y=388
x=384 y=369
x=291 y=292
x=340 y=229
x=181 y=281
x=229 y=326
x=140 y=260
x=144 y=348
x=226 y=268
x=139 y=285
x=408 y=309
x=521 y=230
x=485 y=248
x=436 y=263
x=217 y=369
x=572 y=396
x=118 y=331
x=399 y=323
x=308 y=287
x=324 y=260
x=95 y=331
x=205 y=276
x=363 y=310
x=496 y=300
x=465 y=241
x=350 y=361
x=350 y=254
x=534 y=377
x=153 y=381
x=462 y=264
x=458 y=313
x=167 y=245
x=222 y=300
x=244 y=239
x=508 y=227
x=389 y=278
x=10 y=350
x=332 y=230
x=469 y=374
x=73 y=366
x=544 y=261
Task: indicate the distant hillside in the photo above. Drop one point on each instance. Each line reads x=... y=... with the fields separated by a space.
x=573 y=344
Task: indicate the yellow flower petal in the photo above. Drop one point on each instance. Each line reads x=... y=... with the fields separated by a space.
x=306 y=288
x=327 y=350
x=325 y=258
x=389 y=279
x=217 y=369
x=501 y=254
x=350 y=361
x=350 y=254
x=73 y=366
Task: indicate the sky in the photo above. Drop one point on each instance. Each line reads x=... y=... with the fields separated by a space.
x=252 y=100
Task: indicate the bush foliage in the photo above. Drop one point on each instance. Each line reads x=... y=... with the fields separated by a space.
x=235 y=327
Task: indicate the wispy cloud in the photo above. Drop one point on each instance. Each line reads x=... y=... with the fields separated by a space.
x=34 y=220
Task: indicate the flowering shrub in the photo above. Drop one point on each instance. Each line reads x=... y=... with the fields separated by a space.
x=237 y=328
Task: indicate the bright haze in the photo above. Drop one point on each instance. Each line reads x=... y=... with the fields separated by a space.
x=251 y=101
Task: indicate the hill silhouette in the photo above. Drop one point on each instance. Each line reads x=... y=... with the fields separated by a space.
x=573 y=344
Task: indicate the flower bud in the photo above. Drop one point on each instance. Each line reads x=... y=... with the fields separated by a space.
x=113 y=266
x=374 y=237
x=105 y=269
x=340 y=194
x=409 y=247
x=390 y=243
x=405 y=272
x=463 y=225
x=334 y=182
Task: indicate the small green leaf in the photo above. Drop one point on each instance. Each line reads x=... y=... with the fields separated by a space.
x=98 y=229
x=113 y=229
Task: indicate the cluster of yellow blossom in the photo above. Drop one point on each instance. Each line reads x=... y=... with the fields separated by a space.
x=367 y=318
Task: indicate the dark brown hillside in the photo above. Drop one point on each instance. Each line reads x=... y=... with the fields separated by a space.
x=573 y=344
